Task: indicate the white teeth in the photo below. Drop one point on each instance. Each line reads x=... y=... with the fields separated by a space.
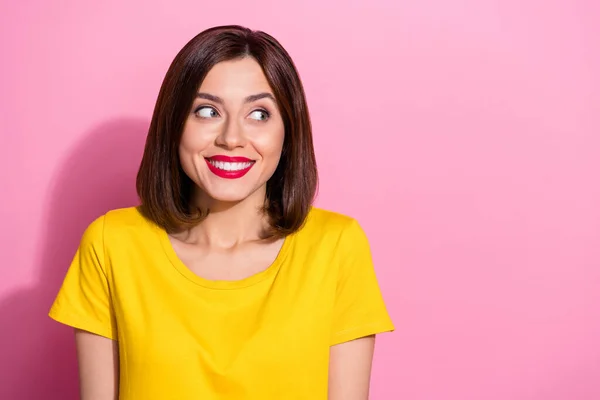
x=230 y=166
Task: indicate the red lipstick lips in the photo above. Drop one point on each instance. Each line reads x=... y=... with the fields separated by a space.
x=229 y=167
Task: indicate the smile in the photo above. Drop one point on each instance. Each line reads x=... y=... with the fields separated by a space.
x=229 y=167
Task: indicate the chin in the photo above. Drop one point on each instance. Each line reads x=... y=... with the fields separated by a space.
x=231 y=190
x=228 y=194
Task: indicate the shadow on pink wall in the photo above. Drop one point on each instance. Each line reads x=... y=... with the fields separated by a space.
x=98 y=175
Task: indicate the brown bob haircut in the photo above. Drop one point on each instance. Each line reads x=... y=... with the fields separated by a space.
x=165 y=190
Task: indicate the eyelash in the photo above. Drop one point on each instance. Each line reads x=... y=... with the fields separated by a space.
x=268 y=114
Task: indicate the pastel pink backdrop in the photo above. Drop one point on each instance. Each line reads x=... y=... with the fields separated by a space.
x=464 y=135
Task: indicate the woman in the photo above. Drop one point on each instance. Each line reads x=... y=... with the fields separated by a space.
x=225 y=283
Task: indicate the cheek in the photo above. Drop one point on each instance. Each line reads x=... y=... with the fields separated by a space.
x=271 y=145
x=193 y=141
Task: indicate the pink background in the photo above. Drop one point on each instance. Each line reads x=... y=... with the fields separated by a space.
x=464 y=135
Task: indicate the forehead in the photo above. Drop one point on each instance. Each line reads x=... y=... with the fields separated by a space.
x=233 y=78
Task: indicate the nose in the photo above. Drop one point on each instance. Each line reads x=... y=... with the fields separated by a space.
x=231 y=136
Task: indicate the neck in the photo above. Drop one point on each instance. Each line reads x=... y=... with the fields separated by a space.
x=229 y=224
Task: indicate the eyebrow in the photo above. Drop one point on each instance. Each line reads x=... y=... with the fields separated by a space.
x=250 y=99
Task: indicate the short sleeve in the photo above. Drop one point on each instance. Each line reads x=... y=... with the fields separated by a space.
x=359 y=308
x=83 y=300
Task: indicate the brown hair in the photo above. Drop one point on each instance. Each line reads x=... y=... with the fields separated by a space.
x=163 y=187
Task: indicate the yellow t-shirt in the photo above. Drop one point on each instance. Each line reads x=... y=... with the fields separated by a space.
x=184 y=337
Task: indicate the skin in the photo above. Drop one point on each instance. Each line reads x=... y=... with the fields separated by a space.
x=225 y=120
x=98 y=359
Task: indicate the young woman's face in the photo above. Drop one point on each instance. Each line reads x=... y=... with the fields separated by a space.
x=233 y=137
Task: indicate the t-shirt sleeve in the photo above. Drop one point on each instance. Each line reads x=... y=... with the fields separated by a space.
x=83 y=300
x=359 y=308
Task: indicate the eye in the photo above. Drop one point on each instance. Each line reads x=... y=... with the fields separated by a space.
x=206 y=112
x=259 y=115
